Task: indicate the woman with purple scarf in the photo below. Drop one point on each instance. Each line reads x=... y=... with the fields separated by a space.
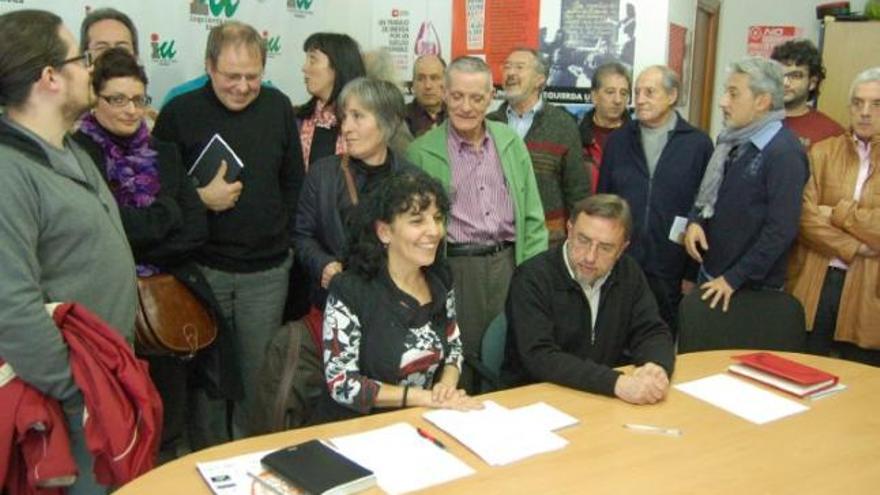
x=165 y=223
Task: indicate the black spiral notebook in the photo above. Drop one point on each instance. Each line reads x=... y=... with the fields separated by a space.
x=206 y=165
x=318 y=469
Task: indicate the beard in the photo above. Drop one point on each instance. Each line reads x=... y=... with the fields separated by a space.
x=76 y=104
x=584 y=281
x=73 y=111
x=798 y=100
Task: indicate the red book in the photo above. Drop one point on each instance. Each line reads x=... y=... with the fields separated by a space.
x=786 y=375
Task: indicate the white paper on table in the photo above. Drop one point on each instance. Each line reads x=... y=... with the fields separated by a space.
x=495 y=433
x=235 y=476
x=677 y=230
x=740 y=398
x=402 y=460
x=828 y=392
x=544 y=416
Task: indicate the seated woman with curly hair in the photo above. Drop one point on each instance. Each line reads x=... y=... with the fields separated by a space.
x=390 y=335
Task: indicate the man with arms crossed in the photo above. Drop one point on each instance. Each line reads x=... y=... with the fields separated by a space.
x=574 y=310
x=835 y=264
x=61 y=238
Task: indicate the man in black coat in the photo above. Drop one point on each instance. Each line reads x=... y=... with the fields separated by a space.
x=656 y=164
x=581 y=308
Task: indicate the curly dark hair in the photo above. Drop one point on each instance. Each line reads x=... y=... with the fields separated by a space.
x=401 y=192
x=801 y=52
x=113 y=63
x=345 y=58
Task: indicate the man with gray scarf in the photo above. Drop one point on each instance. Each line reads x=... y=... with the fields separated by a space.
x=747 y=210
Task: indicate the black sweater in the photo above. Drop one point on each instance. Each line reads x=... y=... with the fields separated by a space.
x=549 y=336
x=655 y=200
x=255 y=234
x=173 y=226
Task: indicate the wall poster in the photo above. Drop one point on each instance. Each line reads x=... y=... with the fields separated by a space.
x=575 y=37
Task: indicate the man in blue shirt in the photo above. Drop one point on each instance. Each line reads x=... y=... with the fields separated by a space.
x=746 y=213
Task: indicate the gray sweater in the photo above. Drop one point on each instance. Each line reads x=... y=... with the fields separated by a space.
x=61 y=240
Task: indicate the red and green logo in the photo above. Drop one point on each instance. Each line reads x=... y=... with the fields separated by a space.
x=273 y=44
x=300 y=8
x=215 y=8
x=164 y=52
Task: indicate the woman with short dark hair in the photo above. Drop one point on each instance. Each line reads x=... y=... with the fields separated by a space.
x=332 y=60
x=165 y=222
x=390 y=335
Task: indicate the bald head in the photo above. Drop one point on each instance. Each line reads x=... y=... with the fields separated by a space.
x=428 y=82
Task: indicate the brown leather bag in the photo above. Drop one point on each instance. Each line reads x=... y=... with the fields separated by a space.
x=170 y=319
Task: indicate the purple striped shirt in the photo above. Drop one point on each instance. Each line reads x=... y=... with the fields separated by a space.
x=481 y=211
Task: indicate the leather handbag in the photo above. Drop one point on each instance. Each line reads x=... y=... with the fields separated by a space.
x=170 y=319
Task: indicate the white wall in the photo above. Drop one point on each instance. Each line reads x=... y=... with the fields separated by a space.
x=684 y=13
x=652 y=32
x=735 y=18
x=171 y=21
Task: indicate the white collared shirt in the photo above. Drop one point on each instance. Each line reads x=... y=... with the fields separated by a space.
x=592 y=292
x=522 y=123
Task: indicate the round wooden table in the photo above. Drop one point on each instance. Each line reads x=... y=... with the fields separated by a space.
x=834 y=447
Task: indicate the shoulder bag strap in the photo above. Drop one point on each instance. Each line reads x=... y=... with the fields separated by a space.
x=349 y=180
x=290 y=368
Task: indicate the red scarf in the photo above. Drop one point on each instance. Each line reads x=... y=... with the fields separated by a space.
x=325 y=118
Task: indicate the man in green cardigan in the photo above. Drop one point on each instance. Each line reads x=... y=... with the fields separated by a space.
x=496 y=220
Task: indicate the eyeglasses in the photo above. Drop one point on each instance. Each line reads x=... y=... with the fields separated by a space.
x=795 y=75
x=87 y=57
x=119 y=100
x=603 y=248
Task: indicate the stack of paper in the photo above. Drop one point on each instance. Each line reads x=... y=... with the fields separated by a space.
x=544 y=416
x=402 y=460
x=498 y=435
x=740 y=398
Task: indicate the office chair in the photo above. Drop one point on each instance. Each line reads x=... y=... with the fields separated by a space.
x=488 y=365
x=756 y=319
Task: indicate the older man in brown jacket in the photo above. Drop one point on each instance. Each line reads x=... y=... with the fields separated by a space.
x=834 y=269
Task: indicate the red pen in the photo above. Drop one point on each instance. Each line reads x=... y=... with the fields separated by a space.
x=430 y=437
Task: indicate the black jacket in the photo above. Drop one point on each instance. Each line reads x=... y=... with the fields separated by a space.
x=585 y=127
x=656 y=200
x=549 y=335
x=320 y=235
x=167 y=234
x=387 y=316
